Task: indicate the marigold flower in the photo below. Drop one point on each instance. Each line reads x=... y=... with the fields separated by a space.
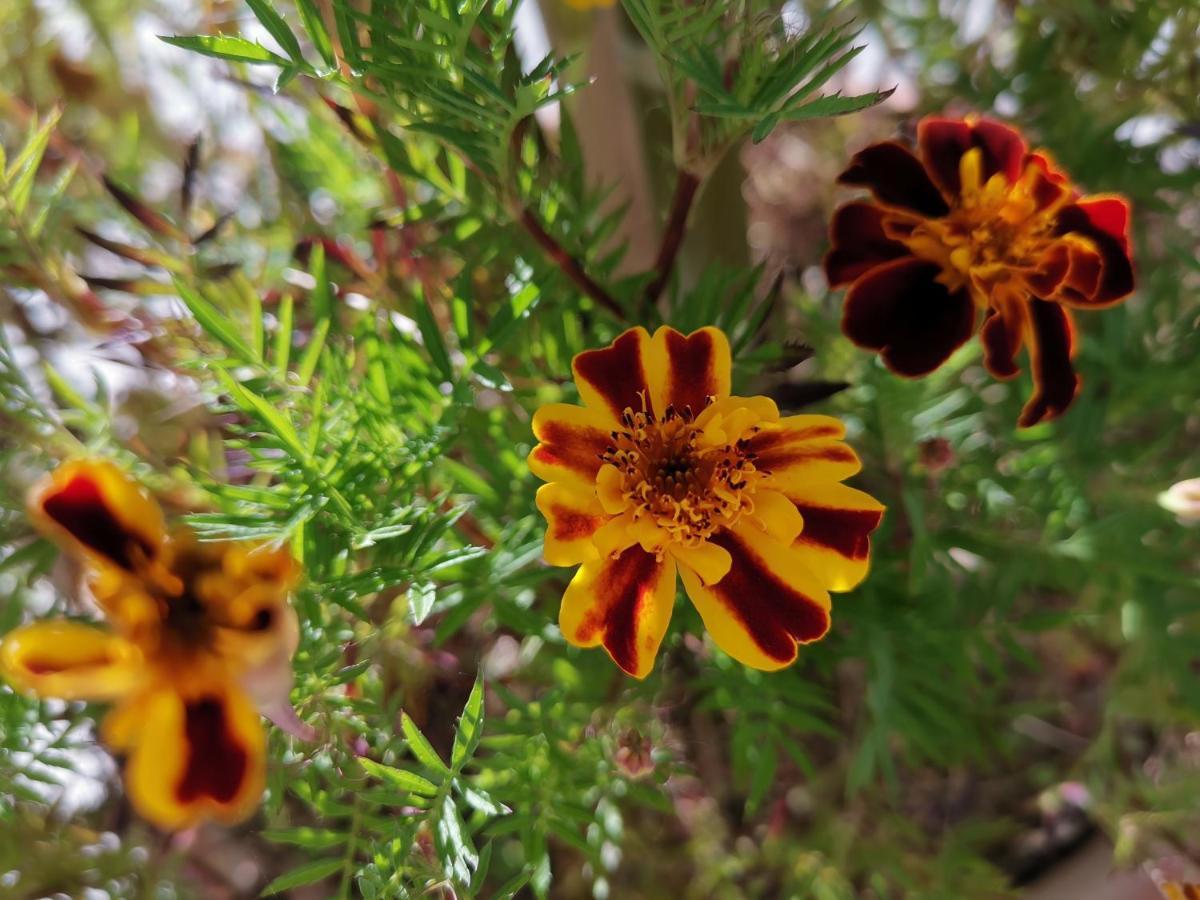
x=975 y=221
x=662 y=470
x=200 y=633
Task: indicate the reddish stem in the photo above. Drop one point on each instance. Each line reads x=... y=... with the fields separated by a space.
x=570 y=266
x=686 y=186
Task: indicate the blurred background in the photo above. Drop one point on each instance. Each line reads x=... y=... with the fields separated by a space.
x=1009 y=707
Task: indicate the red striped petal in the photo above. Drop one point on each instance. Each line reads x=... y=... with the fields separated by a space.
x=623 y=602
x=835 y=543
x=572 y=439
x=858 y=243
x=902 y=310
x=614 y=378
x=194 y=757
x=1051 y=343
x=573 y=514
x=92 y=508
x=685 y=371
x=896 y=177
x=765 y=605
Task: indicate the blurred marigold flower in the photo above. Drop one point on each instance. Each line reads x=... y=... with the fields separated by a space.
x=975 y=221
x=589 y=4
x=1183 y=499
x=661 y=469
x=200 y=633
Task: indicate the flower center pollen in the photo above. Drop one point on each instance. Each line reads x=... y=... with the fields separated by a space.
x=675 y=476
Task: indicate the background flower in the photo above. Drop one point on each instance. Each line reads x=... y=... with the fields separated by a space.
x=976 y=222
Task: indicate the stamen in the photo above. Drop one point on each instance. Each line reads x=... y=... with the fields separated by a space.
x=672 y=479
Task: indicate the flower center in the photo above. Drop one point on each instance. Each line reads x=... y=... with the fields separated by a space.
x=675 y=477
x=995 y=227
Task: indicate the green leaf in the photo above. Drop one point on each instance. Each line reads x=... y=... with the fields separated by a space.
x=432 y=337
x=215 y=324
x=277 y=28
x=421 y=596
x=420 y=746
x=403 y=779
x=470 y=727
x=222 y=46
x=21 y=174
x=309 y=838
x=309 y=873
x=314 y=24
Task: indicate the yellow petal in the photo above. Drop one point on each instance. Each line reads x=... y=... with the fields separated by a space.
x=615 y=535
x=615 y=378
x=765 y=605
x=572 y=516
x=70 y=661
x=803 y=450
x=610 y=488
x=728 y=420
x=707 y=560
x=93 y=510
x=686 y=371
x=198 y=755
x=623 y=602
x=777 y=515
x=571 y=442
x=835 y=543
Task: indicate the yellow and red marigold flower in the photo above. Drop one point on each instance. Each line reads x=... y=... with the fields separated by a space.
x=975 y=221
x=200 y=633
x=662 y=470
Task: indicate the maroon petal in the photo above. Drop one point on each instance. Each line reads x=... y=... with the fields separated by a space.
x=613 y=378
x=1054 y=380
x=900 y=309
x=1050 y=184
x=1002 y=336
x=896 y=177
x=1105 y=222
x=943 y=142
x=1052 y=270
x=859 y=243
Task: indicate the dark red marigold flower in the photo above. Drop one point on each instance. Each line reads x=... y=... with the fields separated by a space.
x=975 y=221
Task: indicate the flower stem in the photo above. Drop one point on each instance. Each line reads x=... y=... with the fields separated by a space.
x=570 y=266
x=686 y=186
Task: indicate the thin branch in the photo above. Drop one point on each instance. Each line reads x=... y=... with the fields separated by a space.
x=686 y=186
x=570 y=266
